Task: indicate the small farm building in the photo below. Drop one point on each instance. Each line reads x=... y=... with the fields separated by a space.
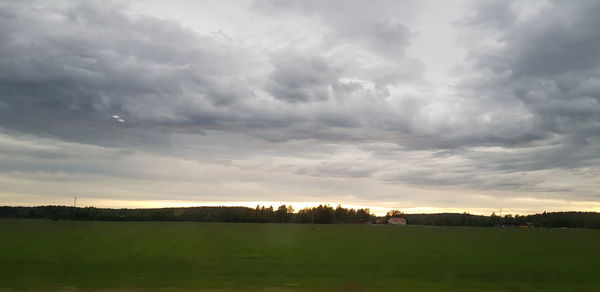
x=397 y=221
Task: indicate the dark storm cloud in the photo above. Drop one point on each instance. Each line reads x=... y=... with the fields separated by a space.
x=560 y=38
x=66 y=69
x=71 y=67
x=548 y=62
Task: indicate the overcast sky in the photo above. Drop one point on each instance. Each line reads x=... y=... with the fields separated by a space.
x=423 y=106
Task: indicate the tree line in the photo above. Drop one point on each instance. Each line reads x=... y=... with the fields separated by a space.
x=322 y=214
x=545 y=219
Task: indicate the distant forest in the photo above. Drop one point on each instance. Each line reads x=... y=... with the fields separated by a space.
x=322 y=214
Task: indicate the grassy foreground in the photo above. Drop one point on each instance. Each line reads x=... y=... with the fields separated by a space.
x=148 y=256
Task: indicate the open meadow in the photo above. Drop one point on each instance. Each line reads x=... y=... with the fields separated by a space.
x=40 y=255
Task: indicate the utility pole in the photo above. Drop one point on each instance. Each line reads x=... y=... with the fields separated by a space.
x=74 y=205
x=501 y=225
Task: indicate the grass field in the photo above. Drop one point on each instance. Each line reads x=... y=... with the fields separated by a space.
x=147 y=256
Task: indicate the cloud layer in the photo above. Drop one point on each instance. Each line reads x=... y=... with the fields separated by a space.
x=335 y=103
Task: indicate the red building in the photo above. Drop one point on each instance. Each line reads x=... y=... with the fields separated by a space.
x=397 y=221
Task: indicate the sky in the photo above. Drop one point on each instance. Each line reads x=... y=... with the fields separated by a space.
x=421 y=106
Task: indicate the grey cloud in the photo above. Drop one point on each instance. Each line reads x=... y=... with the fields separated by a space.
x=81 y=63
x=300 y=78
x=70 y=67
x=358 y=32
x=565 y=42
x=67 y=68
x=378 y=23
x=548 y=62
x=491 y=14
x=335 y=170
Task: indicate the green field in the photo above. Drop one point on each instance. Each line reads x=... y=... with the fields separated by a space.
x=173 y=256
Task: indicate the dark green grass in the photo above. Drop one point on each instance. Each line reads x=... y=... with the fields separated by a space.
x=63 y=255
